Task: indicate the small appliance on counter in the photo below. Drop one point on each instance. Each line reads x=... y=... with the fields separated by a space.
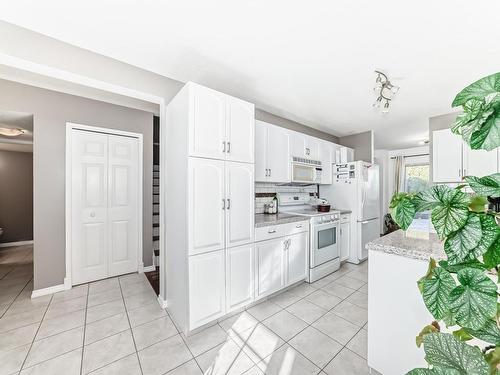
x=322 y=205
x=271 y=207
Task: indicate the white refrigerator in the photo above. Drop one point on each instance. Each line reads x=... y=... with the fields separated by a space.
x=355 y=187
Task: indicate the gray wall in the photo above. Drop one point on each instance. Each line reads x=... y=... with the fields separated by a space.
x=51 y=111
x=16 y=196
x=362 y=143
x=292 y=125
x=438 y=123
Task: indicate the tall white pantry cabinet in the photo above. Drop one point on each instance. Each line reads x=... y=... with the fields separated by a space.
x=210 y=205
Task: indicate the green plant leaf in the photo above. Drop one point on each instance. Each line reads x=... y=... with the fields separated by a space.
x=419 y=340
x=451 y=213
x=493 y=358
x=436 y=292
x=459 y=243
x=478 y=90
x=478 y=204
x=473 y=302
x=434 y=371
x=487 y=137
x=429 y=198
x=473 y=263
x=444 y=350
x=488 y=185
x=462 y=335
x=490 y=232
x=489 y=332
x=403 y=213
x=491 y=257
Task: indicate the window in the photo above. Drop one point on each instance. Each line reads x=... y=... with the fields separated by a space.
x=416 y=178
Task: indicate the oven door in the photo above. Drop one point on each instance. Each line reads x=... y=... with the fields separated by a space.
x=303 y=173
x=324 y=243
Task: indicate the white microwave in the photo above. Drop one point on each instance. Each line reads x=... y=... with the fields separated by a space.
x=306 y=171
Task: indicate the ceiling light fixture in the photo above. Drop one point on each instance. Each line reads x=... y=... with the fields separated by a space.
x=384 y=90
x=8 y=132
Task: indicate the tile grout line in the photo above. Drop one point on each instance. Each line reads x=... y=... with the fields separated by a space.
x=130 y=325
x=84 y=329
x=14 y=300
x=34 y=337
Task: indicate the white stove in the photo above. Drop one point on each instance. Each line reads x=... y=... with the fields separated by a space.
x=324 y=253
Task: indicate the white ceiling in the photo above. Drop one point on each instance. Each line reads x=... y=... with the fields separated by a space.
x=308 y=61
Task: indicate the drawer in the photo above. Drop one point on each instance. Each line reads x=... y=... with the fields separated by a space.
x=294 y=228
x=268 y=233
x=345 y=217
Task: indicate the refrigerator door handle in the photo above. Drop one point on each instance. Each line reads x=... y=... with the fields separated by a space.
x=365 y=222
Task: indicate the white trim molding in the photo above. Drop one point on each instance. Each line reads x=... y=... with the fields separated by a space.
x=148 y=269
x=162 y=302
x=50 y=290
x=18 y=243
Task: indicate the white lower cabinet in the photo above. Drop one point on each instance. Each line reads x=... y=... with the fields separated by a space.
x=297 y=257
x=239 y=276
x=270 y=270
x=207 y=291
x=345 y=240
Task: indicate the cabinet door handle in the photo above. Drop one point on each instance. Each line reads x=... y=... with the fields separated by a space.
x=298 y=226
x=459 y=172
x=224 y=146
x=269 y=172
x=223 y=204
x=228 y=204
x=271 y=231
x=465 y=172
x=228 y=147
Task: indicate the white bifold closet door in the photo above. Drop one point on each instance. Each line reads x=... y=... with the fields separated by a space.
x=105 y=187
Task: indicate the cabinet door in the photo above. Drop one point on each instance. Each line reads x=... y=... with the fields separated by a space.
x=260 y=151
x=326 y=151
x=207 y=127
x=446 y=156
x=298 y=144
x=297 y=257
x=312 y=148
x=239 y=276
x=270 y=272
x=240 y=202
x=278 y=154
x=240 y=130
x=206 y=288
x=479 y=162
x=345 y=241
x=206 y=205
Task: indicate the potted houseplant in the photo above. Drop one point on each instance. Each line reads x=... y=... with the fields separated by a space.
x=461 y=292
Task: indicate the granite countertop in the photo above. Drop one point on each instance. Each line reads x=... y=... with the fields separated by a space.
x=265 y=220
x=410 y=244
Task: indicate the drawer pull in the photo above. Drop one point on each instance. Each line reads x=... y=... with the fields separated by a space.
x=298 y=226
x=271 y=231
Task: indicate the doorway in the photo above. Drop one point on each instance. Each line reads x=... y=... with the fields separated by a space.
x=104 y=200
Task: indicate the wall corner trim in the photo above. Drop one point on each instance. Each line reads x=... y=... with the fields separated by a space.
x=50 y=290
x=162 y=302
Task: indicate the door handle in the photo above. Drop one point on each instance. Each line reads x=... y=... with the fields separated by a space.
x=228 y=147
x=228 y=203
x=224 y=146
x=223 y=204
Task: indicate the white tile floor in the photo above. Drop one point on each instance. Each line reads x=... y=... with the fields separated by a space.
x=116 y=326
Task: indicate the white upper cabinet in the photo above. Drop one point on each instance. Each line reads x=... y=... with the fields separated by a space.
x=206 y=205
x=272 y=153
x=240 y=203
x=298 y=144
x=452 y=158
x=312 y=150
x=479 y=162
x=240 y=130
x=325 y=156
x=207 y=130
x=446 y=156
x=297 y=257
x=221 y=126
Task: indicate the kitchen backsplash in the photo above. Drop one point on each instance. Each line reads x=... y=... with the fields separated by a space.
x=265 y=192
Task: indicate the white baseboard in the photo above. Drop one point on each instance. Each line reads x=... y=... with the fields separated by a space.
x=162 y=302
x=18 y=243
x=49 y=290
x=149 y=269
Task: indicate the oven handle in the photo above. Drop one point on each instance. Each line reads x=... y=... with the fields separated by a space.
x=331 y=224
